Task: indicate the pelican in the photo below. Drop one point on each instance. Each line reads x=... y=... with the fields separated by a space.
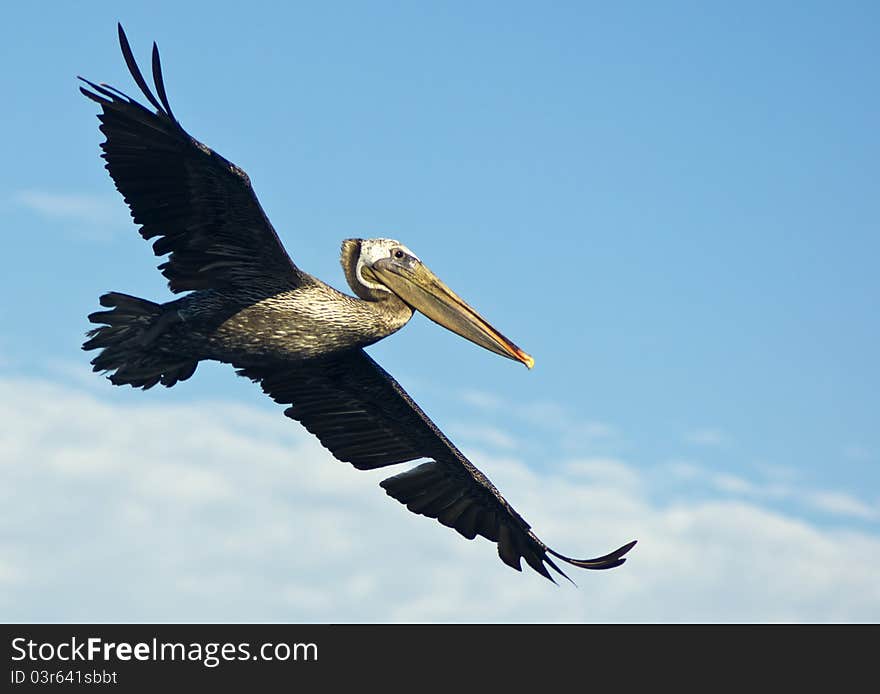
x=244 y=302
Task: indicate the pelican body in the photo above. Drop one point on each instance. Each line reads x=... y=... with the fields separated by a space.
x=247 y=304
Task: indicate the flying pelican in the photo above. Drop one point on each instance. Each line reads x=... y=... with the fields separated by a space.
x=248 y=305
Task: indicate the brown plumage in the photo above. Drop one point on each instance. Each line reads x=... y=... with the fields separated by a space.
x=247 y=304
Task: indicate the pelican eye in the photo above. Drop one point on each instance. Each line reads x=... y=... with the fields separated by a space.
x=398 y=254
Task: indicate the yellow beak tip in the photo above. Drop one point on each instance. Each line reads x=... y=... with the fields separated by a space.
x=527 y=360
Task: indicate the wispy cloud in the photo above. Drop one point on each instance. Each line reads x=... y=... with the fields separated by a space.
x=706 y=437
x=481 y=399
x=485 y=434
x=732 y=484
x=604 y=471
x=777 y=488
x=94 y=215
x=842 y=504
x=574 y=433
x=151 y=511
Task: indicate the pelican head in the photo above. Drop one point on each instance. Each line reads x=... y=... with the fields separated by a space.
x=376 y=268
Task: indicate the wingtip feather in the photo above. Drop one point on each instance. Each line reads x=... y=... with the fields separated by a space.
x=608 y=561
x=135 y=70
x=159 y=81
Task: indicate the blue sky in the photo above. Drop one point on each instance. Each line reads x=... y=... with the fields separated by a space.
x=672 y=208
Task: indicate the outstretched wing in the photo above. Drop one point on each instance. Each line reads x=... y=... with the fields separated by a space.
x=198 y=206
x=364 y=417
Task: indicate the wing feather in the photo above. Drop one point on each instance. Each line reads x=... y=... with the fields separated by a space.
x=364 y=417
x=200 y=207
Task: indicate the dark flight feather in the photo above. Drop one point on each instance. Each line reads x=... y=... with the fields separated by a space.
x=364 y=417
x=199 y=206
x=201 y=211
x=159 y=82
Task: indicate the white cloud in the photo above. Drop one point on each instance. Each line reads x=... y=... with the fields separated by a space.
x=683 y=470
x=835 y=503
x=734 y=485
x=484 y=434
x=604 y=470
x=706 y=437
x=218 y=512
x=481 y=399
x=95 y=216
x=573 y=433
x=843 y=504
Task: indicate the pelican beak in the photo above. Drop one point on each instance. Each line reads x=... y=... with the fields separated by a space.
x=415 y=284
